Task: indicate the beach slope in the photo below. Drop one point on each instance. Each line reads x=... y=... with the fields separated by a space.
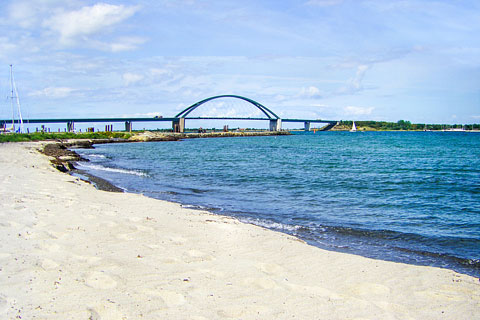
x=69 y=251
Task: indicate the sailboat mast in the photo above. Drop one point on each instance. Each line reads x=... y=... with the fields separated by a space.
x=17 y=100
x=11 y=98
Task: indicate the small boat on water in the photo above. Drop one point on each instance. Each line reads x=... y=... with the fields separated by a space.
x=354 y=128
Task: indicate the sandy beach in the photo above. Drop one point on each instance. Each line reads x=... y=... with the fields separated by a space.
x=70 y=251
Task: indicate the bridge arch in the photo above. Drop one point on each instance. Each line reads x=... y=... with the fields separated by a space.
x=269 y=113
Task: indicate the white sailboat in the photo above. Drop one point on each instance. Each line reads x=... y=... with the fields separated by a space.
x=354 y=128
x=15 y=101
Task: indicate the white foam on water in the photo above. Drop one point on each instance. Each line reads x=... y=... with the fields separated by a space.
x=116 y=170
x=271 y=224
x=97 y=156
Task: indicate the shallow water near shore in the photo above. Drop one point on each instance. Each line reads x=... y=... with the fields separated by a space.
x=410 y=197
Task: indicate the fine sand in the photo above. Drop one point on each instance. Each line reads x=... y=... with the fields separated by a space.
x=69 y=251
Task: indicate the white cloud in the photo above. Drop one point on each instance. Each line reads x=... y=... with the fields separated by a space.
x=73 y=25
x=53 y=92
x=23 y=14
x=324 y=3
x=357 y=81
x=173 y=3
x=355 y=84
x=130 y=78
x=28 y=13
x=310 y=92
x=358 y=111
x=159 y=72
x=122 y=44
x=6 y=46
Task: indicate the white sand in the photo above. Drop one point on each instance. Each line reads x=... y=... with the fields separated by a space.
x=69 y=251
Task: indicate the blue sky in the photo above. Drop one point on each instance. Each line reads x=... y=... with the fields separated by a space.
x=415 y=60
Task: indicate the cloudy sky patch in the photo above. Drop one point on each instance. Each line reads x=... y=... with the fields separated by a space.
x=73 y=26
x=415 y=60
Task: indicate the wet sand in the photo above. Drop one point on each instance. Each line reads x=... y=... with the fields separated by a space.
x=70 y=251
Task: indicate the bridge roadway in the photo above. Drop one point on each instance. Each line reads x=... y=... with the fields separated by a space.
x=178 y=123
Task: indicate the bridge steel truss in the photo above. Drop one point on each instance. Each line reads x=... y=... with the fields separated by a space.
x=178 y=122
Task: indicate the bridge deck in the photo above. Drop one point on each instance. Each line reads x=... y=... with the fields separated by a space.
x=78 y=120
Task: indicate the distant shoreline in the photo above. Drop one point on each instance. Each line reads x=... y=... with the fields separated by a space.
x=377 y=130
x=403 y=125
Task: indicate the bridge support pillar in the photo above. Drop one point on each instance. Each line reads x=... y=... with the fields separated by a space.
x=307 y=126
x=276 y=125
x=128 y=126
x=178 y=125
x=70 y=126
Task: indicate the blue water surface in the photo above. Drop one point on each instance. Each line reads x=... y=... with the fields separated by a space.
x=410 y=197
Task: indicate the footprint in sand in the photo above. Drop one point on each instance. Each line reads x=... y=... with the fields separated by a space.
x=110 y=213
x=126 y=236
x=271 y=268
x=3 y=303
x=153 y=246
x=5 y=224
x=171 y=298
x=154 y=308
x=437 y=295
x=108 y=224
x=260 y=283
x=47 y=264
x=91 y=260
x=314 y=291
x=231 y=312
x=14 y=224
x=177 y=240
x=144 y=229
x=367 y=288
x=170 y=260
x=211 y=273
x=55 y=235
x=52 y=247
x=100 y=280
x=89 y=216
x=4 y=255
x=105 y=311
x=196 y=256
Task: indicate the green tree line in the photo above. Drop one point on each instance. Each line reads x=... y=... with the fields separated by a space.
x=40 y=136
x=406 y=125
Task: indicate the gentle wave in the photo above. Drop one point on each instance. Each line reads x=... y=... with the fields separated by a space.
x=96 y=156
x=190 y=206
x=87 y=166
x=272 y=225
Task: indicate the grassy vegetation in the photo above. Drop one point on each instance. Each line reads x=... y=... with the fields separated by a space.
x=39 y=136
x=401 y=125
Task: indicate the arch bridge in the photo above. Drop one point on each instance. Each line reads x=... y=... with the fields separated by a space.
x=178 y=121
x=178 y=124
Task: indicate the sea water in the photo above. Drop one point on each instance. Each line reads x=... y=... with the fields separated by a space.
x=411 y=197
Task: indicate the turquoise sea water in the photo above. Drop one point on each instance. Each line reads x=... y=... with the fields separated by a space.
x=411 y=197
